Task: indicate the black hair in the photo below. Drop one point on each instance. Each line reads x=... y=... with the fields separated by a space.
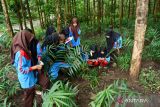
x=50 y=30
x=33 y=49
x=65 y=31
x=94 y=48
x=51 y=39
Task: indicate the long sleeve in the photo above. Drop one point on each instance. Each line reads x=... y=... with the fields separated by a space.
x=79 y=31
x=23 y=66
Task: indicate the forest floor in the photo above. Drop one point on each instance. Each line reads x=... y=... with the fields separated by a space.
x=86 y=93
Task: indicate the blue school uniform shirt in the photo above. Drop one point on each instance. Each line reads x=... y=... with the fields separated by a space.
x=118 y=43
x=26 y=76
x=39 y=50
x=73 y=42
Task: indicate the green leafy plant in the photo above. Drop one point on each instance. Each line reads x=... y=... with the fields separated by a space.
x=150 y=79
x=74 y=58
x=151 y=50
x=5 y=103
x=8 y=87
x=123 y=61
x=60 y=95
x=5 y=41
x=92 y=77
x=109 y=95
x=39 y=33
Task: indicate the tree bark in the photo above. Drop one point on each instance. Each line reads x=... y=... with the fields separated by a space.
x=111 y=13
x=94 y=12
x=75 y=7
x=23 y=14
x=121 y=15
x=58 y=17
x=30 y=17
x=129 y=9
x=7 y=19
x=39 y=15
x=155 y=10
x=18 y=14
x=65 y=12
x=140 y=29
x=99 y=17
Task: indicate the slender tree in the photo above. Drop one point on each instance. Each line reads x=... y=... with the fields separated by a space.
x=140 y=29
x=121 y=15
x=99 y=17
x=58 y=16
x=7 y=18
x=30 y=17
x=129 y=8
x=65 y=12
x=111 y=13
x=23 y=13
x=18 y=14
x=94 y=12
x=39 y=15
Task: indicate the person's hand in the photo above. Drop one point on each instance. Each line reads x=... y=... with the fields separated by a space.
x=102 y=52
x=38 y=67
x=41 y=63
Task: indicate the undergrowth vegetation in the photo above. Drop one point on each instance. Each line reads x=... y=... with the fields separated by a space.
x=150 y=79
x=115 y=93
x=60 y=95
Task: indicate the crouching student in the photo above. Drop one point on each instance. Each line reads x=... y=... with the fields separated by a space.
x=92 y=61
x=22 y=60
x=60 y=55
x=48 y=48
x=98 y=57
x=103 y=58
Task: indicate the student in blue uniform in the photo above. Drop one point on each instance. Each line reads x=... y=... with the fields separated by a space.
x=22 y=60
x=74 y=30
x=48 y=46
x=114 y=41
x=50 y=40
x=60 y=55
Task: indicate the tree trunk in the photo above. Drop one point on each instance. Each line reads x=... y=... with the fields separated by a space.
x=30 y=17
x=7 y=19
x=18 y=14
x=111 y=13
x=39 y=15
x=99 y=17
x=121 y=15
x=23 y=14
x=102 y=10
x=65 y=12
x=140 y=29
x=69 y=8
x=129 y=9
x=94 y=12
x=58 y=17
x=155 y=10
x=154 y=7
x=114 y=11
x=75 y=7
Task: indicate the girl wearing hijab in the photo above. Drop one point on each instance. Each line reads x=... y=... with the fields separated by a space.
x=74 y=31
x=22 y=60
